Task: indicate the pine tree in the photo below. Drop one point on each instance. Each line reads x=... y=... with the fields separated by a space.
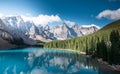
x=115 y=50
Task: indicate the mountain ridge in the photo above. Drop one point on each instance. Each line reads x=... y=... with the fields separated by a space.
x=103 y=33
x=30 y=33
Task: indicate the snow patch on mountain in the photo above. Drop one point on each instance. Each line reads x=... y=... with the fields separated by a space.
x=91 y=26
x=31 y=29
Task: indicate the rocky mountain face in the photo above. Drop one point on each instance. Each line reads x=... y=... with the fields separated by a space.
x=29 y=32
x=18 y=29
x=5 y=38
x=82 y=30
x=63 y=31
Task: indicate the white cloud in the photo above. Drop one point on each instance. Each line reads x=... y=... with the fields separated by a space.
x=46 y=19
x=42 y=19
x=69 y=22
x=91 y=25
x=110 y=14
x=1 y=15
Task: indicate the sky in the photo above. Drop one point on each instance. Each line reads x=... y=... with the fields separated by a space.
x=83 y=12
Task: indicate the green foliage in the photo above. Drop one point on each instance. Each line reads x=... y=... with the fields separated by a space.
x=104 y=43
x=115 y=47
x=102 y=51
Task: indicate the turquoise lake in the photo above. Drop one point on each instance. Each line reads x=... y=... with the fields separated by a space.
x=48 y=61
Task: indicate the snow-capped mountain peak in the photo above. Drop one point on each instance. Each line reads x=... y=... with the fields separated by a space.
x=28 y=30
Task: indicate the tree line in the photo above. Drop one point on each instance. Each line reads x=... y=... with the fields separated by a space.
x=104 y=44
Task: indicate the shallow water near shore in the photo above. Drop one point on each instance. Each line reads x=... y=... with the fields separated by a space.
x=48 y=61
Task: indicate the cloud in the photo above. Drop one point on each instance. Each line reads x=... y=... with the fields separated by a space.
x=69 y=22
x=91 y=25
x=42 y=19
x=110 y=14
x=1 y=15
x=38 y=20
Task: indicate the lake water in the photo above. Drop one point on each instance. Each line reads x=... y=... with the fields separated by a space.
x=48 y=61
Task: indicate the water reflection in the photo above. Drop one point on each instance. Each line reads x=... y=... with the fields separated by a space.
x=39 y=61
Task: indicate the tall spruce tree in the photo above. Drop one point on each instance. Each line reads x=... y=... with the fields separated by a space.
x=115 y=50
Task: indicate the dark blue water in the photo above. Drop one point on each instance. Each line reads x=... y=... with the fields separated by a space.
x=45 y=61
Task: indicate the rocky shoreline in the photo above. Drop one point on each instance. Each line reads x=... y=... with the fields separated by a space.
x=112 y=67
x=99 y=60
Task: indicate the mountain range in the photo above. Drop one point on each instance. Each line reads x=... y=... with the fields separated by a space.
x=13 y=29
